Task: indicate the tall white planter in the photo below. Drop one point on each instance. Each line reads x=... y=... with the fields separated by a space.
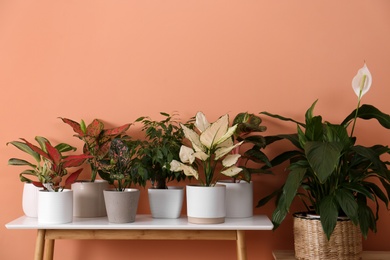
x=55 y=207
x=206 y=205
x=166 y=203
x=121 y=205
x=30 y=200
x=88 y=199
x=239 y=199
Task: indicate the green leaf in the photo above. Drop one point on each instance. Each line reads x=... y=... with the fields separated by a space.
x=378 y=192
x=348 y=204
x=367 y=112
x=20 y=162
x=62 y=148
x=357 y=187
x=309 y=112
x=266 y=199
x=323 y=157
x=293 y=182
x=25 y=148
x=282 y=118
x=328 y=215
x=314 y=129
x=366 y=219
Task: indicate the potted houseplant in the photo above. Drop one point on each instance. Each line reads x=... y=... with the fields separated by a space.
x=122 y=201
x=239 y=188
x=88 y=194
x=162 y=144
x=335 y=177
x=211 y=144
x=48 y=172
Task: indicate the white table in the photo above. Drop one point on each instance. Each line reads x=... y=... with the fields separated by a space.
x=144 y=228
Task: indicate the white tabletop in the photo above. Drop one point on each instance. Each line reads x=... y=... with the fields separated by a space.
x=146 y=222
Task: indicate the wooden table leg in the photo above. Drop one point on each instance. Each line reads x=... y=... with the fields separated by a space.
x=39 y=244
x=241 y=246
x=49 y=249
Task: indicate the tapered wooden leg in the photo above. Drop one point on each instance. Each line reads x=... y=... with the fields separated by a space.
x=49 y=249
x=39 y=244
x=241 y=246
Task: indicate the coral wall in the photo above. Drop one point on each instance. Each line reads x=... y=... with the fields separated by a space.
x=117 y=60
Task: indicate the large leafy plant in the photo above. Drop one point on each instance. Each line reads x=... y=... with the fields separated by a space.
x=211 y=145
x=50 y=166
x=97 y=141
x=162 y=144
x=332 y=174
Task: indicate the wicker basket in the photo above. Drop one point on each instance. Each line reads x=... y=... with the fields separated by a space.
x=311 y=243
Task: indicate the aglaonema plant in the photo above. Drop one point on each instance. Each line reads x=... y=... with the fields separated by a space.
x=50 y=165
x=97 y=141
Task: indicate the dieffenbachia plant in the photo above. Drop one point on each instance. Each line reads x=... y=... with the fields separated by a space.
x=212 y=144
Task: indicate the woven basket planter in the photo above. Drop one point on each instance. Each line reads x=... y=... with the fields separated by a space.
x=310 y=241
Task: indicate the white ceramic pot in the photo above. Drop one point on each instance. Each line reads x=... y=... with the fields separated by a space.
x=239 y=199
x=30 y=200
x=166 y=203
x=121 y=206
x=55 y=207
x=206 y=205
x=88 y=199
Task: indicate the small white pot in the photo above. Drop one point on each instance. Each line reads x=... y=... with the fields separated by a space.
x=55 y=207
x=166 y=203
x=88 y=199
x=206 y=205
x=121 y=206
x=239 y=199
x=30 y=200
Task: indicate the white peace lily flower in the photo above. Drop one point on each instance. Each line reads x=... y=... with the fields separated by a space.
x=230 y=160
x=201 y=122
x=361 y=83
x=232 y=171
x=186 y=154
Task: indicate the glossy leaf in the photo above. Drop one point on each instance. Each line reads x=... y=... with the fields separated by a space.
x=75 y=126
x=27 y=149
x=323 y=157
x=328 y=215
x=201 y=122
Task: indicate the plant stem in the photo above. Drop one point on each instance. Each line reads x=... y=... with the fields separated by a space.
x=358 y=105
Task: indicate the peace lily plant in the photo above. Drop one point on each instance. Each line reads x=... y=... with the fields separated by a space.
x=332 y=174
x=211 y=144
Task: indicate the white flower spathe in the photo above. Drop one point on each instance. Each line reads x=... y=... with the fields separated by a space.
x=361 y=83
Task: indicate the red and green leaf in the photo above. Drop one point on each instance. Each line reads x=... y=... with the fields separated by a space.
x=117 y=130
x=35 y=148
x=73 y=177
x=76 y=126
x=95 y=128
x=75 y=160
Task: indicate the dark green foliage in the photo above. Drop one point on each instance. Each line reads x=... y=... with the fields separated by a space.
x=330 y=173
